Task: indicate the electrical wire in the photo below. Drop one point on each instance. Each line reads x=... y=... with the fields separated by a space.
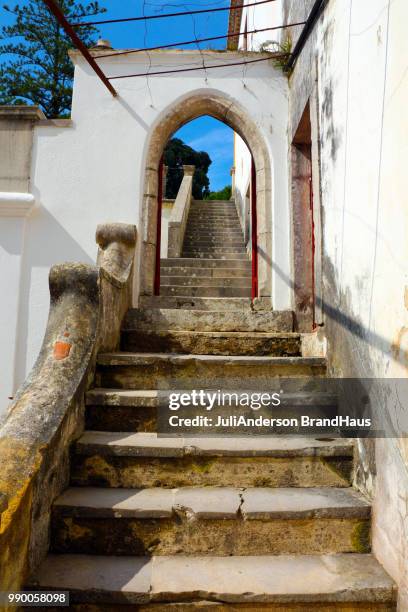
x=165 y=15
x=199 y=67
x=199 y=40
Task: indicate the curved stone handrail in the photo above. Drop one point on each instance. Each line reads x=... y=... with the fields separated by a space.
x=47 y=414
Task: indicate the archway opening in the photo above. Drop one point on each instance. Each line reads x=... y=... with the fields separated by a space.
x=229 y=112
x=207 y=209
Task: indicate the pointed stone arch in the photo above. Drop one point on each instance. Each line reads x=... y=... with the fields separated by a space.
x=232 y=114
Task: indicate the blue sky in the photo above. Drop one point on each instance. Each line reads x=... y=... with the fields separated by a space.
x=208 y=134
x=205 y=133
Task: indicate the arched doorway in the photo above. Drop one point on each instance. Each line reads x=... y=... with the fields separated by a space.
x=232 y=114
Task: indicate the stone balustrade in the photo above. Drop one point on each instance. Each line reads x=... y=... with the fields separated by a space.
x=179 y=215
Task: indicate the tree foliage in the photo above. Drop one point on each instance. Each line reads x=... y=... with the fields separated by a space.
x=37 y=69
x=176 y=155
x=223 y=194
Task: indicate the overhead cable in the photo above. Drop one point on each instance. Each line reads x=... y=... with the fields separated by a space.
x=165 y=15
x=198 y=40
x=275 y=56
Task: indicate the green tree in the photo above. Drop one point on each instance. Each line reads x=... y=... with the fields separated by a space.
x=176 y=155
x=223 y=194
x=37 y=69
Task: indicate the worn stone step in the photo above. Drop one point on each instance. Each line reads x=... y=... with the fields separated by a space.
x=108 y=409
x=206 y=291
x=210 y=228
x=196 y=223
x=180 y=303
x=210 y=263
x=205 y=281
x=210 y=204
x=212 y=343
x=196 y=211
x=144 y=460
x=166 y=371
x=243 y=320
x=220 y=231
x=218 y=256
x=202 y=250
x=213 y=210
x=213 y=237
x=213 y=242
x=230 y=206
x=328 y=583
x=173 y=271
x=196 y=227
x=210 y=520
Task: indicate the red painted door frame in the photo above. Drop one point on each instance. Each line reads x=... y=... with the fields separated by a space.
x=313 y=248
x=254 y=228
x=158 y=234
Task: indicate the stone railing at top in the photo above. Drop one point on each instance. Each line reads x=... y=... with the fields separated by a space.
x=86 y=311
x=179 y=215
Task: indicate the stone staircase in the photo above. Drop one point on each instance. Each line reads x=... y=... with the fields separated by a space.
x=214 y=260
x=219 y=523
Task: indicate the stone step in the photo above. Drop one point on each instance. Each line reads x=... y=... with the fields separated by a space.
x=210 y=242
x=234 y=320
x=218 y=256
x=182 y=304
x=174 y=271
x=209 y=205
x=214 y=233
x=163 y=371
x=218 y=223
x=206 y=291
x=108 y=409
x=210 y=263
x=197 y=229
x=212 y=343
x=145 y=460
x=212 y=249
x=208 y=236
x=212 y=520
x=213 y=211
x=205 y=281
x=328 y=583
x=215 y=222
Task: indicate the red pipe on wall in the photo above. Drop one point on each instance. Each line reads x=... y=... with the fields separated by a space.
x=254 y=232
x=158 y=233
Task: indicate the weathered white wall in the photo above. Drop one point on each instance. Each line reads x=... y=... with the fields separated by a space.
x=260 y=17
x=361 y=53
x=242 y=164
x=93 y=171
x=357 y=57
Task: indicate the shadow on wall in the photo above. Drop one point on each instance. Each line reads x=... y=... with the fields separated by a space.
x=353 y=326
x=46 y=243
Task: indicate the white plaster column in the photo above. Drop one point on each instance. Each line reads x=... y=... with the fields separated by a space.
x=14 y=210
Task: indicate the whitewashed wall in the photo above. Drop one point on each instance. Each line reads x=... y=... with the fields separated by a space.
x=357 y=56
x=92 y=172
x=242 y=165
x=259 y=18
